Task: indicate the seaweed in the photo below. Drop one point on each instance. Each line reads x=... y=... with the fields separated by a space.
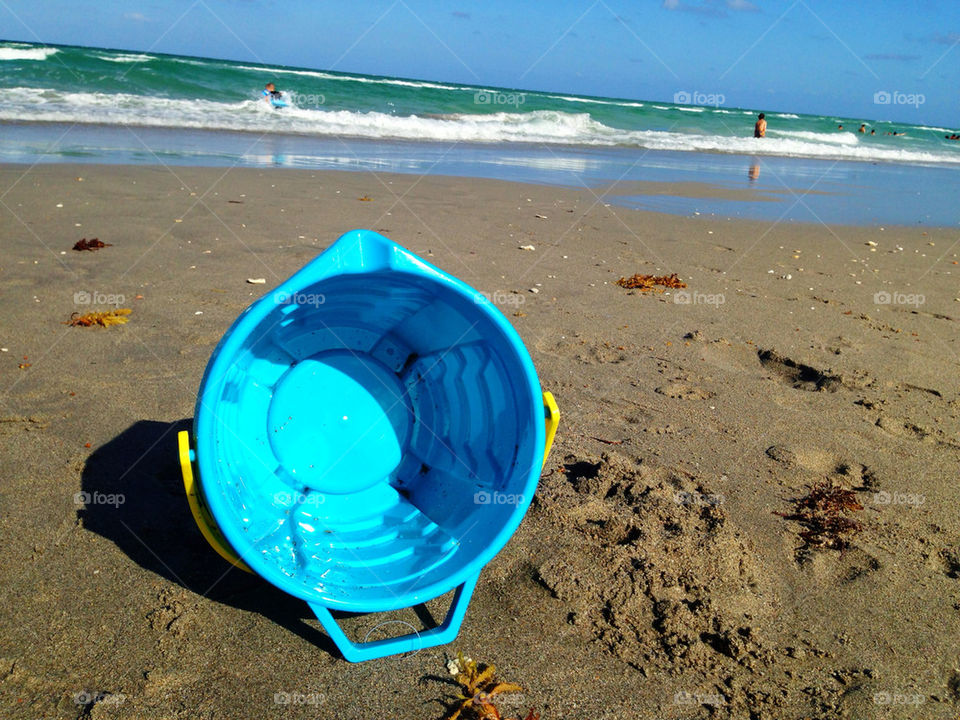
x=104 y=319
x=478 y=687
x=649 y=283
x=823 y=513
x=94 y=244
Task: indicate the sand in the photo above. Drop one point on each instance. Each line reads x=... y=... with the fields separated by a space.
x=652 y=576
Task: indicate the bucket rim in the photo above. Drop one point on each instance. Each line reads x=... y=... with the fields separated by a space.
x=359 y=252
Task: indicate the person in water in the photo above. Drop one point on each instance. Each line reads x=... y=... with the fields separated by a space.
x=873 y=131
x=839 y=127
x=760 y=129
x=270 y=93
x=862 y=129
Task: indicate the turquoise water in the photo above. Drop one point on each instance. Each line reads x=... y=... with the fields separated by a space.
x=60 y=84
x=74 y=104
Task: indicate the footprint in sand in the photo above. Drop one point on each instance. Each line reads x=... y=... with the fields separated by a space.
x=797 y=375
x=905 y=428
x=589 y=353
x=820 y=464
x=950 y=559
x=728 y=356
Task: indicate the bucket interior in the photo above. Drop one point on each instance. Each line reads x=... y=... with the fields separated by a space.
x=371 y=438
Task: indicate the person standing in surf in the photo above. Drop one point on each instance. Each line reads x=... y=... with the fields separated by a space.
x=760 y=129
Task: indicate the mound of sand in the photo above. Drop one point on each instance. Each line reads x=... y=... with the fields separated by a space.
x=660 y=576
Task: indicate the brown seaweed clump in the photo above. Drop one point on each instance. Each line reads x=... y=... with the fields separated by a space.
x=103 y=319
x=649 y=283
x=823 y=513
x=477 y=689
x=94 y=244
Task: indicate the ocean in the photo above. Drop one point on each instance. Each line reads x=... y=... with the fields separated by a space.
x=76 y=104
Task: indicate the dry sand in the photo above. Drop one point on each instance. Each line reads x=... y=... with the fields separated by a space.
x=651 y=578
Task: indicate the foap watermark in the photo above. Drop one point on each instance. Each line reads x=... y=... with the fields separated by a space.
x=895 y=97
x=304 y=100
x=896 y=498
x=289 y=498
x=497 y=498
x=86 y=698
x=684 y=697
x=99 y=498
x=298 y=698
x=682 y=97
x=491 y=97
x=95 y=297
x=898 y=298
x=885 y=697
x=684 y=297
x=498 y=297
x=282 y=297
x=697 y=498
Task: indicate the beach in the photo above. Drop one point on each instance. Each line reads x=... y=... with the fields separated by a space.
x=661 y=570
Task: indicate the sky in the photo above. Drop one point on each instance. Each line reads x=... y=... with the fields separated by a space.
x=893 y=60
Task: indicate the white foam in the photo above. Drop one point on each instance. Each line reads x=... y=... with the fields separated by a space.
x=26 y=53
x=789 y=116
x=542 y=126
x=126 y=58
x=357 y=78
x=573 y=98
x=839 y=138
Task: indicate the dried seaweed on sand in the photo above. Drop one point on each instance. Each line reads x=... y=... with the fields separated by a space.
x=103 y=319
x=94 y=244
x=649 y=283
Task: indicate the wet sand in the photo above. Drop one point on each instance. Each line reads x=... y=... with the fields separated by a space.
x=652 y=576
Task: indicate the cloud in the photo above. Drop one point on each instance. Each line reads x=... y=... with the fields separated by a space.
x=710 y=8
x=705 y=7
x=461 y=14
x=950 y=38
x=136 y=17
x=891 y=56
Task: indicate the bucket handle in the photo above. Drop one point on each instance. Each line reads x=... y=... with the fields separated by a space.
x=551 y=415
x=201 y=516
x=446 y=632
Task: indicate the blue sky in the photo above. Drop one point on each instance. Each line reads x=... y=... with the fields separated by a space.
x=819 y=56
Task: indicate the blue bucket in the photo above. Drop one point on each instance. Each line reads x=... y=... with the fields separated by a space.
x=368 y=436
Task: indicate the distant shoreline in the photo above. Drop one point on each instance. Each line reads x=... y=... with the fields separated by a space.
x=680 y=183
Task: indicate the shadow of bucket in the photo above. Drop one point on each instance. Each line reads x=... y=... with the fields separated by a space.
x=367 y=437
